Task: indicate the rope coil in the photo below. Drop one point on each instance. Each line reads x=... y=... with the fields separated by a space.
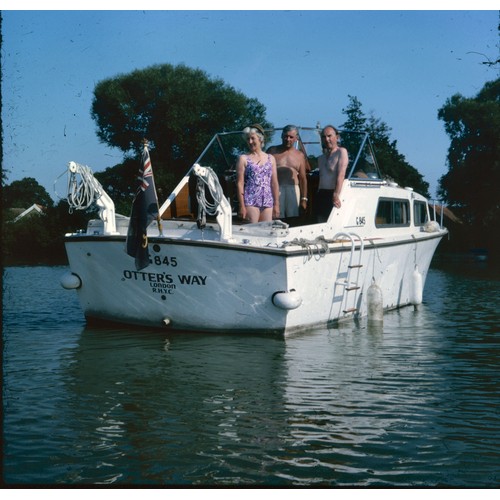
x=319 y=245
x=216 y=192
x=83 y=190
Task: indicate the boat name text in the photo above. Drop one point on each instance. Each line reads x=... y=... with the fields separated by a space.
x=163 y=280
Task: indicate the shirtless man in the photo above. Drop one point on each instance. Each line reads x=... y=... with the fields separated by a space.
x=332 y=166
x=292 y=178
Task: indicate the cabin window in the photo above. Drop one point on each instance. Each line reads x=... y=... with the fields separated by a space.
x=392 y=212
x=420 y=213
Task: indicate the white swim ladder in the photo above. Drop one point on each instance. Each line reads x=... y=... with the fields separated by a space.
x=351 y=282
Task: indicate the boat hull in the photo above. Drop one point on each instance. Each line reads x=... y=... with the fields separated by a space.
x=210 y=270
x=218 y=286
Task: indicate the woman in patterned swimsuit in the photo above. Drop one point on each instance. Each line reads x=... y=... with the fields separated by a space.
x=258 y=189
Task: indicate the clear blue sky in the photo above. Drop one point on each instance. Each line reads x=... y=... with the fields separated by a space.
x=302 y=65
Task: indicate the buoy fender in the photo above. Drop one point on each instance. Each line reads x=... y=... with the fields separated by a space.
x=375 y=303
x=416 y=291
x=287 y=300
x=71 y=281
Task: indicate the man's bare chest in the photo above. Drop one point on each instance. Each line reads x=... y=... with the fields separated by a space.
x=287 y=160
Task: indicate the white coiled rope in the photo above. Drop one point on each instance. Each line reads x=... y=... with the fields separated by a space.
x=204 y=206
x=83 y=188
x=215 y=191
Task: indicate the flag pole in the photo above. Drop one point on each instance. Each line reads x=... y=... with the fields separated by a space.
x=145 y=143
x=144 y=212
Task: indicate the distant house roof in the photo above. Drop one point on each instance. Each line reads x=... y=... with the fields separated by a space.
x=35 y=209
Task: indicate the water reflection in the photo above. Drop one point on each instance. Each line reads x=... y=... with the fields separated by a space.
x=411 y=403
x=186 y=399
x=350 y=396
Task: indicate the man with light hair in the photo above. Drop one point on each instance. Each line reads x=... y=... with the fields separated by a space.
x=291 y=164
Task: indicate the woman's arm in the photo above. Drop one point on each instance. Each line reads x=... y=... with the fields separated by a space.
x=240 y=186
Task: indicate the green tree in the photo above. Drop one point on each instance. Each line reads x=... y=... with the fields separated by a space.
x=40 y=239
x=471 y=184
x=391 y=162
x=36 y=238
x=24 y=193
x=356 y=119
x=177 y=108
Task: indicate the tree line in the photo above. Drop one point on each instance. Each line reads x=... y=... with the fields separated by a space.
x=178 y=109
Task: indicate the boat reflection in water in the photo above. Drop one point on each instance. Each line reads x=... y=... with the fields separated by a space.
x=327 y=406
x=411 y=402
x=177 y=404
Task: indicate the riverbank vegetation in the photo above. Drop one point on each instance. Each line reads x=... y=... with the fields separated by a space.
x=470 y=187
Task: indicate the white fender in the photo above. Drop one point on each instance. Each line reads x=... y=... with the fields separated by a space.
x=431 y=227
x=375 y=303
x=416 y=289
x=287 y=300
x=70 y=281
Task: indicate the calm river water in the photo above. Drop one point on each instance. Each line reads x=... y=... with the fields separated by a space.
x=413 y=404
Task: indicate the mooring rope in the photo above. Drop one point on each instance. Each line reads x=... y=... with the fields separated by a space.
x=319 y=245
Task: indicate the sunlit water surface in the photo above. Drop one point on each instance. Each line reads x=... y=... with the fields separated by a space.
x=413 y=403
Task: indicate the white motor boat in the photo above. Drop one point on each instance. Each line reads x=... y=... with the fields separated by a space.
x=210 y=271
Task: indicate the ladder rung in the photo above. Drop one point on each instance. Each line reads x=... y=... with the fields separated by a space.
x=353 y=309
x=348 y=289
x=355 y=265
